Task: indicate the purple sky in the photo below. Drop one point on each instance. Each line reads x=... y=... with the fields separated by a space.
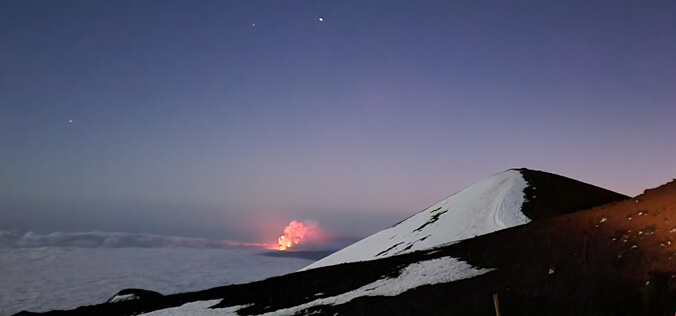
x=189 y=120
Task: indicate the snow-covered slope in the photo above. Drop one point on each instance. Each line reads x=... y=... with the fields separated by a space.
x=487 y=206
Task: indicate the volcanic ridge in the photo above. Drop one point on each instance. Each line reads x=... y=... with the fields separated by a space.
x=523 y=242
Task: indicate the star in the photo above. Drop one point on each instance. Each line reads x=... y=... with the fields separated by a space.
x=321 y=19
x=70 y=121
x=253 y=24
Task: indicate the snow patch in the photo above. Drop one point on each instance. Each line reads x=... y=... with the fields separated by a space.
x=122 y=298
x=199 y=308
x=435 y=271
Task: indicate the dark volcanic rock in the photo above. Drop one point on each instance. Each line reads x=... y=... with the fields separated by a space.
x=548 y=195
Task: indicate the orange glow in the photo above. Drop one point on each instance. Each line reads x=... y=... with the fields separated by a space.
x=293 y=235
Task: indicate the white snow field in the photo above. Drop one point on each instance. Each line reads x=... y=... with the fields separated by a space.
x=198 y=308
x=487 y=206
x=434 y=271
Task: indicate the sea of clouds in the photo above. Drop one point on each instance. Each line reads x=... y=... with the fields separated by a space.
x=42 y=272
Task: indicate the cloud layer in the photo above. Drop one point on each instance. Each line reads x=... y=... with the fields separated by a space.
x=43 y=279
x=97 y=239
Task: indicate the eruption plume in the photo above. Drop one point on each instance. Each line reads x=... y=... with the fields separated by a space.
x=294 y=233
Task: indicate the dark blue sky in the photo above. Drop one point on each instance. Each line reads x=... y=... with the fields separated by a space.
x=190 y=120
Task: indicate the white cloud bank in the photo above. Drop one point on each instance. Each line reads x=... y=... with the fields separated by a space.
x=97 y=239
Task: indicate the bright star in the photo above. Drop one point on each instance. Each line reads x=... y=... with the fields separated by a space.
x=321 y=19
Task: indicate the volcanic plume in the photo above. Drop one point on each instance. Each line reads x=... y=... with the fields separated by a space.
x=294 y=233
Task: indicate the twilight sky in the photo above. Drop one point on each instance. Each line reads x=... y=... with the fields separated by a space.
x=228 y=119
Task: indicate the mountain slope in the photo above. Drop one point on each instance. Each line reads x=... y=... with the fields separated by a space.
x=507 y=199
x=615 y=259
x=454 y=279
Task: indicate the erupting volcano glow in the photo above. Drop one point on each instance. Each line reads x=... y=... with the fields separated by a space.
x=293 y=235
